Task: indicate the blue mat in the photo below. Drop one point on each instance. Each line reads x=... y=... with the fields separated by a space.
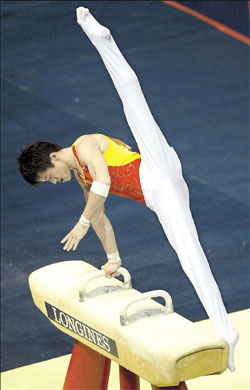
x=55 y=88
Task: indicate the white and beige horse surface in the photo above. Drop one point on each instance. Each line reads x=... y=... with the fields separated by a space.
x=127 y=326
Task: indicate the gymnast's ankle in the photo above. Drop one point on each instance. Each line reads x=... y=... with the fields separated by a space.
x=232 y=343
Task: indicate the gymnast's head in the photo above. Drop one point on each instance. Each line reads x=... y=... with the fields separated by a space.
x=42 y=161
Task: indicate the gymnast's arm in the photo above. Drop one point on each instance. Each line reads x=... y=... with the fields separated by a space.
x=89 y=154
x=104 y=231
x=102 y=225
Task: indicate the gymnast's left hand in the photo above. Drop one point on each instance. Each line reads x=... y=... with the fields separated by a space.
x=73 y=238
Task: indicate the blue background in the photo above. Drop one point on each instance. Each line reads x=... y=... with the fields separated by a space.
x=55 y=88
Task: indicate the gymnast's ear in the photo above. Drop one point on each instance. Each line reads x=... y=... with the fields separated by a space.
x=53 y=156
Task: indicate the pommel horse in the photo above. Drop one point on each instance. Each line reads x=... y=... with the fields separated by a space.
x=112 y=321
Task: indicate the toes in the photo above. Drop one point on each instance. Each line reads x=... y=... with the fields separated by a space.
x=81 y=14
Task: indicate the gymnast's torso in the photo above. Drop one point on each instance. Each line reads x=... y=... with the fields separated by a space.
x=123 y=166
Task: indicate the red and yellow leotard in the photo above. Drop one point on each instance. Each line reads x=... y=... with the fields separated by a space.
x=123 y=166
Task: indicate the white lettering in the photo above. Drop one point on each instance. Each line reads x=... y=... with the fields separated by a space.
x=106 y=343
x=71 y=323
x=84 y=329
x=81 y=329
x=65 y=318
x=78 y=328
x=99 y=340
x=56 y=319
x=91 y=335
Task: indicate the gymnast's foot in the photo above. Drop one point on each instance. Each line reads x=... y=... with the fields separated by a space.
x=232 y=342
x=89 y=24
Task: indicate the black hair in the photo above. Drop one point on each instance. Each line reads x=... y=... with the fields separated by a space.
x=35 y=158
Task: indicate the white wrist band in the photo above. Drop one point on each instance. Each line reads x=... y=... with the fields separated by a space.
x=114 y=258
x=100 y=188
x=84 y=221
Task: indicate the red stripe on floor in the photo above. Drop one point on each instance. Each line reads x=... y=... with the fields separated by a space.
x=214 y=23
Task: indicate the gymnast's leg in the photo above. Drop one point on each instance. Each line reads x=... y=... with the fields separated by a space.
x=160 y=172
x=135 y=107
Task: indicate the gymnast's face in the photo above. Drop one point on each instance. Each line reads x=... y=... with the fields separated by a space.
x=59 y=173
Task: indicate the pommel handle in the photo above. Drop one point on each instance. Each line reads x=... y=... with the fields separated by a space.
x=168 y=308
x=98 y=274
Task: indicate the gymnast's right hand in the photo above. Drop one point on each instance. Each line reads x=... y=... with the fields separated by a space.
x=73 y=238
x=111 y=269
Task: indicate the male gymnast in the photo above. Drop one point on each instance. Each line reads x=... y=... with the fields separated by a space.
x=104 y=165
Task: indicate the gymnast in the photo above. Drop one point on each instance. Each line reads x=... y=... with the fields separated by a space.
x=104 y=165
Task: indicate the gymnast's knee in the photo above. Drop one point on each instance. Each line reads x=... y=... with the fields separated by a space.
x=129 y=78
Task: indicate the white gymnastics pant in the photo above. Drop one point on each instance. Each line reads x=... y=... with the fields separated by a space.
x=164 y=188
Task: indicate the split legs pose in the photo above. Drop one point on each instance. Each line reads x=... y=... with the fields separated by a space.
x=164 y=188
